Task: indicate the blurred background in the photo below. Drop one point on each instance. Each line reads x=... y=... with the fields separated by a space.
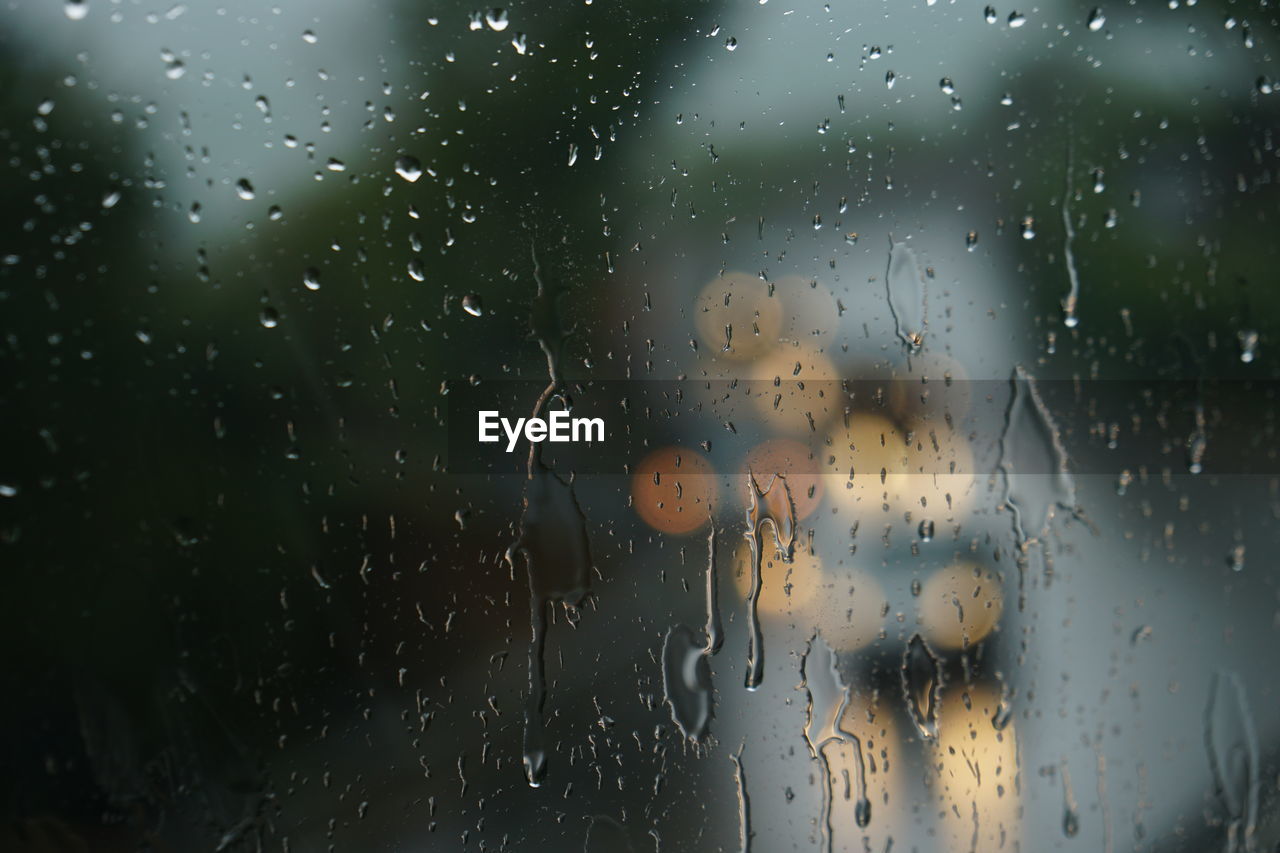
x=934 y=341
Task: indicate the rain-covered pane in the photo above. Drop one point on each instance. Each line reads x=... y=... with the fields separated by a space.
x=652 y=426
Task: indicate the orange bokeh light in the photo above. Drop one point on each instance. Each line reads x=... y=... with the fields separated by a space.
x=673 y=489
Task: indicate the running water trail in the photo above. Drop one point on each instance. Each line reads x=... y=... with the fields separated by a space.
x=744 y=802
x=772 y=505
x=1070 y=302
x=827 y=696
x=552 y=538
x=1032 y=442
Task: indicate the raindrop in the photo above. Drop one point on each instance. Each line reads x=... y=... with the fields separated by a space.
x=990 y=14
x=311 y=278
x=520 y=43
x=174 y=67
x=1028 y=228
x=889 y=79
x=731 y=43
x=76 y=9
x=1235 y=558
x=1070 y=822
x=971 y=240
x=244 y=189
x=947 y=86
x=1016 y=19
x=110 y=199
x=416 y=270
x=686 y=681
x=496 y=19
x=309 y=37
x=471 y=304
x=1248 y=344
x=926 y=530
x=269 y=318
x=922 y=685
x=907 y=293
x=408 y=168
x=1097 y=20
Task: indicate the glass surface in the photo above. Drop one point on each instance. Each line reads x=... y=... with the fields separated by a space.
x=933 y=345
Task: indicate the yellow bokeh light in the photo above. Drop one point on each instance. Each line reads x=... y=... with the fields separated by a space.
x=960 y=605
x=736 y=317
x=794 y=390
x=874 y=463
x=976 y=769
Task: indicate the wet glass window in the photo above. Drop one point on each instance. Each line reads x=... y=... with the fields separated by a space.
x=655 y=426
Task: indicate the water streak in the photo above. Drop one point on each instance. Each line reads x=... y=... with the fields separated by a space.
x=828 y=696
x=773 y=505
x=1030 y=432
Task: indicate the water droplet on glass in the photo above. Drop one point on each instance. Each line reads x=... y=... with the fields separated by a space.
x=989 y=14
x=1028 y=228
x=686 y=680
x=1017 y=19
x=471 y=304
x=309 y=37
x=174 y=67
x=889 y=79
x=926 y=530
x=947 y=86
x=75 y=9
x=417 y=271
x=1070 y=823
x=1097 y=20
x=1235 y=558
x=1248 y=339
x=922 y=685
x=408 y=168
x=244 y=189
x=907 y=293
x=311 y=278
x=269 y=318
x=496 y=19
x=731 y=43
